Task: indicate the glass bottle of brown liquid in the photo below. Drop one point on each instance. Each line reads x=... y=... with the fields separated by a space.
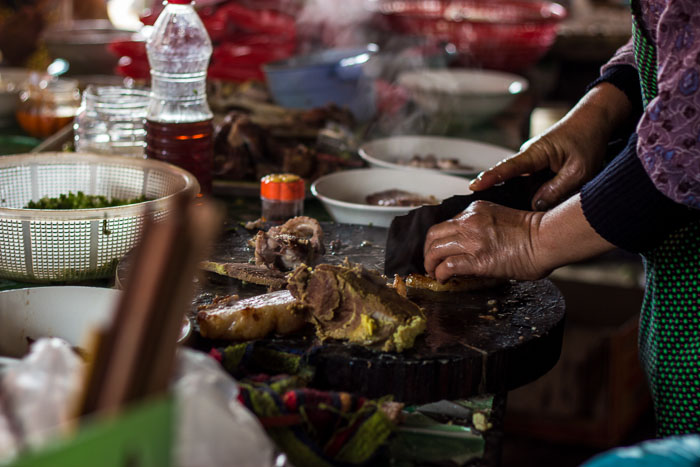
x=179 y=121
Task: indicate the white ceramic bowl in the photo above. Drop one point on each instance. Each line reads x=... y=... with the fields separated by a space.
x=388 y=152
x=471 y=95
x=68 y=312
x=343 y=193
x=83 y=44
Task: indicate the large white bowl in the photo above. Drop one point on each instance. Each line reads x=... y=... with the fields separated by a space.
x=471 y=95
x=68 y=312
x=343 y=193
x=387 y=152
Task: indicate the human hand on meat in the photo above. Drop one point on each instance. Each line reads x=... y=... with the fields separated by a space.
x=485 y=240
x=490 y=240
x=573 y=148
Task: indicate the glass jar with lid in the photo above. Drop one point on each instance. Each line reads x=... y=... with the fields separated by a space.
x=47 y=105
x=282 y=197
x=111 y=121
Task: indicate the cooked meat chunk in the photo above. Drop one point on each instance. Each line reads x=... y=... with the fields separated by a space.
x=284 y=247
x=431 y=162
x=260 y=275
x=252 y=318
x=354 y=304
x=453 y=284
x=399 y=198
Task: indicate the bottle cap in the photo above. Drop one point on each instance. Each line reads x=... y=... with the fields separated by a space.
x=282 y=187
x=180 y=2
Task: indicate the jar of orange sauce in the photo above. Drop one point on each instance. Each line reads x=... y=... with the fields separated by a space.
x=47 y=106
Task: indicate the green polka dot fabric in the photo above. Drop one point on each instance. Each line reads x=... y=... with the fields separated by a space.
x=669 y=334
x=644 y=56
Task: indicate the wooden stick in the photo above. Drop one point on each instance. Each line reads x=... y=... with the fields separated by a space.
x=134 y=358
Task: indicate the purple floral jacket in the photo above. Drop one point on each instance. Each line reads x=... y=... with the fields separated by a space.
x=669 y=130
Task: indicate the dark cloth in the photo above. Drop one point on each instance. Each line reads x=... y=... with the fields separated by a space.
x=404 y=246
x=624 y=207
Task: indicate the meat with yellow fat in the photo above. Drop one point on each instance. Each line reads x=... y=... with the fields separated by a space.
x=351 y=303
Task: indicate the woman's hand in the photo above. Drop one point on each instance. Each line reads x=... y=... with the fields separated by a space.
x=573 y=148
x=485 y=240
x=489 y=240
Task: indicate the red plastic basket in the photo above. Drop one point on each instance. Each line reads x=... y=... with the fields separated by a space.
x=497 y=34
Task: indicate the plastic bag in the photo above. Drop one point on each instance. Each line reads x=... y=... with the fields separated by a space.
x=40 y=391
x=9 y=445
x=214 y=429
x=38 y=394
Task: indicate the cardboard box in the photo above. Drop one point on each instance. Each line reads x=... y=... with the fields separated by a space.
x=597 y=391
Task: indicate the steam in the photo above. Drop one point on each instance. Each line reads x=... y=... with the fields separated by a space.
x=324 y=24
x=335 y=23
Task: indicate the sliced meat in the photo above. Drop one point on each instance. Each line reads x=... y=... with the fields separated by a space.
x=252 y=318
x=453 y=284
x=399 y=198
x=252 y=273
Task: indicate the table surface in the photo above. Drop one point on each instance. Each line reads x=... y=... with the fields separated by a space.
x=478 y=342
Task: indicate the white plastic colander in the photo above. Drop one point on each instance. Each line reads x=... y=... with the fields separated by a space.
x=43 y=245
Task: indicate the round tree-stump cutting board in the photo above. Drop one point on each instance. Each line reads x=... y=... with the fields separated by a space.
x=478 y=342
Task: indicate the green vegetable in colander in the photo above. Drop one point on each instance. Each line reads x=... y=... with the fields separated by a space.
x=81 y=201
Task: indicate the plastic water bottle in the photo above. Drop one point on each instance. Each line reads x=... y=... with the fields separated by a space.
x=179 y=122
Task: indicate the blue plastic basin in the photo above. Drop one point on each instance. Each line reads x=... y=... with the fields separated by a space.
x=335 y=76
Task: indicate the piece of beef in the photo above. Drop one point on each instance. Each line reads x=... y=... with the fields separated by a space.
x=284 y=247
x=351 y=303
x=252 y=273
x=251 y=318
x=399 y=198
x=238 y=148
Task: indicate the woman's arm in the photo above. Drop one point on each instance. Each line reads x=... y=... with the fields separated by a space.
x=574 y=147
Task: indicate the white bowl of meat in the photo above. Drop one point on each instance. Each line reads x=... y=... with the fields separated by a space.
x=471 y=95
x=375 y=196
x=455 y=156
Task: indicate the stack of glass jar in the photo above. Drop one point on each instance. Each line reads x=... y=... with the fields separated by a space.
x=111 y=120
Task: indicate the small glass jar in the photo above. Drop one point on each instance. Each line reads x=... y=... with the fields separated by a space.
x=47 y=105
x=282 y=197
x=111 y=120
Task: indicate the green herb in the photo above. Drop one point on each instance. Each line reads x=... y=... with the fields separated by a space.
x=81 y=201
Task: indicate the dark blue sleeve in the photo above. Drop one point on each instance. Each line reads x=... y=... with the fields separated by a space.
x=624 y=207
x=626 y=79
